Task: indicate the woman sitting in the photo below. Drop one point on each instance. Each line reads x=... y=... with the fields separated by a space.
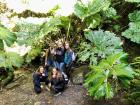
x=57 y=82
x=39 y=76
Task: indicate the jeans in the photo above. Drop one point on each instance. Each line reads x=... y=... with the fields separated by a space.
x=60 y=65
x=48 y=64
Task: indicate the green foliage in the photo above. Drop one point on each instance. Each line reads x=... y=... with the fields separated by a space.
x=51 y=25
x=136 y=62
x=33 y=35
x=32 y=54
x=91 y=8
x=100 y=46
x=89 y=13
x=104 y=79
x=10 y=59
x=7 y=36
x=135 y=1
x=26 y=32
x=93 y=21
x=133 y=32
x=110 y=13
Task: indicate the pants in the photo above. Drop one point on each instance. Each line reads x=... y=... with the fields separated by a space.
x=48 y=64
x=68 y=69
x=60 y=65
x=37 y=80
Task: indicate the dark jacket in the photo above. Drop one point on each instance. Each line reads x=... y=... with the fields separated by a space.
x=58 y=83
x=59 y=57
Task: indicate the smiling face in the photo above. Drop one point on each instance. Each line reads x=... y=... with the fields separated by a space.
x=67 y=46
x=60 y=44
x=54 y=71
x=41 y=70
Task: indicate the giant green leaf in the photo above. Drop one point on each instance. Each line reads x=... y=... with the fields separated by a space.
x=102 y=43
x=133 y=32
x=91 y=8
x=7 y=36
x=9 y=59
x=101 y=78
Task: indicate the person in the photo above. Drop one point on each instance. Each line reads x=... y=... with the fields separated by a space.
x=49 y=59
x=57 y=83
x=68 y=58
x=38 y=77
x=59 y=56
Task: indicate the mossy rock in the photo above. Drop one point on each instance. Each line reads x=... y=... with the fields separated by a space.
x=77 y=75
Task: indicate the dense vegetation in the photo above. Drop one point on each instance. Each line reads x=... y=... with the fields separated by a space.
x=98 y=31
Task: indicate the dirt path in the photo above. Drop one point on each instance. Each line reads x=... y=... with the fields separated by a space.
x=21 y=92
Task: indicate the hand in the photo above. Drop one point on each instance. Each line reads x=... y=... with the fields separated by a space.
x=54 y=76
x=43 y=74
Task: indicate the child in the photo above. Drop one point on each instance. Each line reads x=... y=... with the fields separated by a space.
x=59 y=56
x=68 y=58
x=39 y=76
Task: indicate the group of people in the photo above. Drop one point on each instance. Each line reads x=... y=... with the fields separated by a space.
x=60 y=59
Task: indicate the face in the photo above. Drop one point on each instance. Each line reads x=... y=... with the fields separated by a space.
x=60 y=44
x=67 y=46
x=41 y=70
x=54 y=71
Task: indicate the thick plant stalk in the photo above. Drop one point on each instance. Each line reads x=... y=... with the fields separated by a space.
x=68 y=29
x=8 y=79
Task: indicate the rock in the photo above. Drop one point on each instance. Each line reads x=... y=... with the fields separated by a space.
x=39 y=103
x=12 y=85
x=77 y=75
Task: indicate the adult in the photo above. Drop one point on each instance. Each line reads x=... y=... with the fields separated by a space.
x=49 y=58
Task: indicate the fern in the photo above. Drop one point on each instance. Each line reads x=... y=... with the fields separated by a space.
x=112 y=70
x=101 y=45
x=133 y=32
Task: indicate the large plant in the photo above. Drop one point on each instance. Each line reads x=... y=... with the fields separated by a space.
x=101 y=44
x=6 y=36
x=10 y=59
x=133 y=32
x=104 y=79
x=33 y=35
x=90 y=12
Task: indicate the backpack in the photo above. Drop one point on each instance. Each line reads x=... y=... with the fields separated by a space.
x=73 y=56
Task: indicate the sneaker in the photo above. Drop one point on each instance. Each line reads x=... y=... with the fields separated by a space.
x=58 y=94
x=41 y=86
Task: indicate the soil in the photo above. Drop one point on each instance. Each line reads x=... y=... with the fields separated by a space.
x=20 y=92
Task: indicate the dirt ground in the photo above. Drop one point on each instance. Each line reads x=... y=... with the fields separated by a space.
x=20 y=92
